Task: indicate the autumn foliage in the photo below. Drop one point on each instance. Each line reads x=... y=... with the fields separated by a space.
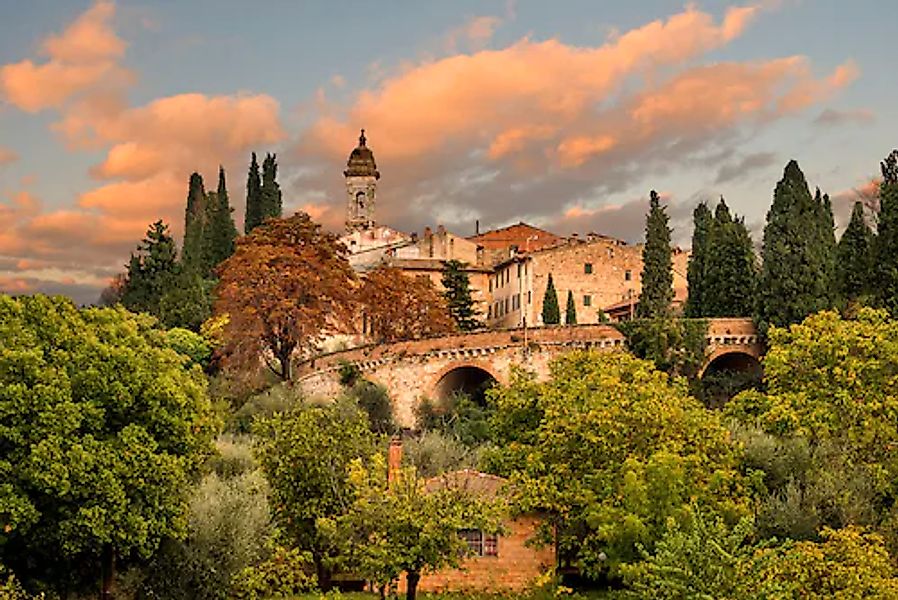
x=287 y=286
x=399 y=307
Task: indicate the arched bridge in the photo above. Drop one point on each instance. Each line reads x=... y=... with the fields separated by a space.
x=436 y=367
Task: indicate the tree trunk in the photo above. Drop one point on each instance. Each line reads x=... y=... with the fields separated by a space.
x=324 y=574
x=108 y=568
x=411 y=585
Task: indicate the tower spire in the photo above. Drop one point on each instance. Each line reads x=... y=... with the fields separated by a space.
x=362 y=138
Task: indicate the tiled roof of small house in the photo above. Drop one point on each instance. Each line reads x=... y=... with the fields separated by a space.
x=475 y=482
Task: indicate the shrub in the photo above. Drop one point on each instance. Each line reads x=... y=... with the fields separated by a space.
x=433 y=452
x=286 y=573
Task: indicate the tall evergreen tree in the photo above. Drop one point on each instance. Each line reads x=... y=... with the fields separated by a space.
x=551 y=312
x=887 y=237
x=570 y=311
x=827 y=241
x=152 y=271
x=730 y=271
x=695 y=274
x=272 y=206
x=253 y=215
x=457 y=288
x=795 y=273
x=657 y=268
x=854 y=262
x=194 y=223
x=220 y=232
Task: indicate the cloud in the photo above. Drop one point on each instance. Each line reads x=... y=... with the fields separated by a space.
x=475 y=34
x=81 y=59
x=7 y=156
x=745 y=166
x=148 y=151
x=506 y=134
x=831 y=117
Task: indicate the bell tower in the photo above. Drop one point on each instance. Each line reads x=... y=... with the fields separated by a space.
x=361 y=187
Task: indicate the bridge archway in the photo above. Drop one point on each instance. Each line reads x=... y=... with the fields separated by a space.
x=727 y=374
x=470 y=379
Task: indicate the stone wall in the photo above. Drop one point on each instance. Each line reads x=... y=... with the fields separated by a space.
x=514 y=568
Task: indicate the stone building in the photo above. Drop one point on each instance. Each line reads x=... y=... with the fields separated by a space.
x=501 y=244
x=599 y=271
x=497 y=563
x=371 y=245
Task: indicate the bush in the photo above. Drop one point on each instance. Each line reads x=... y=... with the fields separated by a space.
x=228 y=529
x=192 y=345
x=286 y=573
x=433 y=453
x=458 y=417
x=270 y=402
x=235 y=456
x=375 y=401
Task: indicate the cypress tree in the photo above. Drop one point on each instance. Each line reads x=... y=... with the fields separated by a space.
x=457 y=288
x=827 y=241
x=695 y=274
x=657 y=268
x=194 y=223
x=570 y=311
x=730 y=271
x=551 y=312
x=220 y=233
x=253 y=215
x=795 y=273
x=855 y=253
x=887 y=237
x=271 y=192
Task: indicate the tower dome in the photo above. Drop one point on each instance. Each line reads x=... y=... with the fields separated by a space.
x=361 y=161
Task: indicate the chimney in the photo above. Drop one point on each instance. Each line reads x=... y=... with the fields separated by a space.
x=477 y=227
x=394 y=458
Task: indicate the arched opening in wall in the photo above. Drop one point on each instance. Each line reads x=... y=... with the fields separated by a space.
x=457 y=405
x=470 y=381
x=727 y=375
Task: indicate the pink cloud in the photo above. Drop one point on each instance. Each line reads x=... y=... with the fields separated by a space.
x=7 y=156
x=82 y=58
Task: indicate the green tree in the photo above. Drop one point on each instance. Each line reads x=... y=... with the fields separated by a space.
x=188 y=301
x=794 y=280
x=305 y=454
x=847 y=563
x=271 y=202
x=220 y=233
x=152 y=271
x=194 y=225
x=551 y=312
x=855 y=257
x=695 y=275
x=458 y=295
x=253 y=215
x=695 y=560
x=657 y=269
x=887 y=235
x=729 y=268
x=400 y=526
x=610 y=449
x=101 y=425
x=570 y=310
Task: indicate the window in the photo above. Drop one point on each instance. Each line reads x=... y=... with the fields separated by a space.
x=489 y=312
x=506 y=306
x=587 y=268
x=528 y=296
x=587 y=300
x=480 y=544
x=628 y=275
x=519 y=270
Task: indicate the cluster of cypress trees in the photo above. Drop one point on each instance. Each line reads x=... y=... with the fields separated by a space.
x=263 y=194
x=179 y=290
x=722 y=272
x=802 y=268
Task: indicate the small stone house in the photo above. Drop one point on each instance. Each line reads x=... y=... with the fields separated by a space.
x=503 y=563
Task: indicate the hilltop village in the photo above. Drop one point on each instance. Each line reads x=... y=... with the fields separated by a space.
x=508 y=268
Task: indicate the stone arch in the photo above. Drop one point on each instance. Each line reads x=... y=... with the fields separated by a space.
x=467 y=376
x=727 y=374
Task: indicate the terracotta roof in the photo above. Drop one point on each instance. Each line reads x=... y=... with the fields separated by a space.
x=475 y=482
x=526 y=237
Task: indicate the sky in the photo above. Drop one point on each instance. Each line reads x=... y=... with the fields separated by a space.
x=562 y=114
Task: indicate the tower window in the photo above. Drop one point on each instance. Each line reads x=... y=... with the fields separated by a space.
x=587 y=268
x=628 y=275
